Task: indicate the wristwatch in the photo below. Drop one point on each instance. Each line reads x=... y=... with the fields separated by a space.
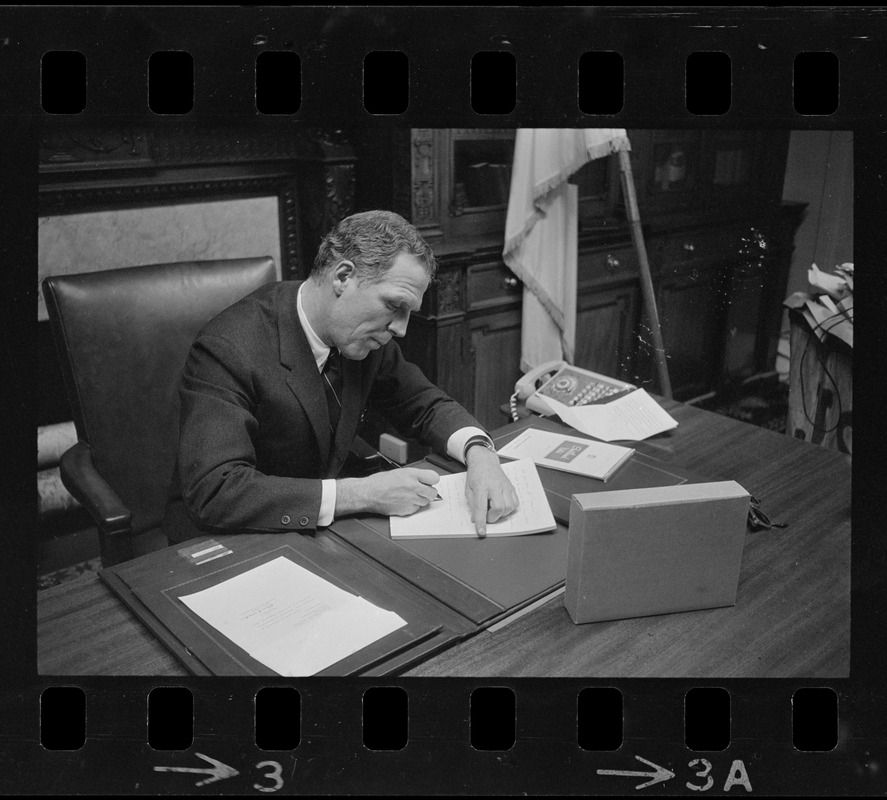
x=483 y=441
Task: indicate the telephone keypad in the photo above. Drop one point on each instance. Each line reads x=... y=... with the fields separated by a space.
x=580 y=387
x=594 y=391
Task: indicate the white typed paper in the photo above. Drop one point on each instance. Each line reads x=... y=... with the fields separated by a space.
x=450 y=517
x=632 y=417
x=290 y=619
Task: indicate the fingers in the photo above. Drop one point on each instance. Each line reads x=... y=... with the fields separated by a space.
x=411 y=505
x=402 y=492
x=502 y=504
x=427 y=476
x=426 y=494
x=477 y=508
x=474 y=506
x=425 y=490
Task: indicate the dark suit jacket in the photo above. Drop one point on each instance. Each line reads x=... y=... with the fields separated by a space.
x=255 y=436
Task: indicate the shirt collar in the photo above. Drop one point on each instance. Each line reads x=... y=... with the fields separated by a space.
x=318 y=349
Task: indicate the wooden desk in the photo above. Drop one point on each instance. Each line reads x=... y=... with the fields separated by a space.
x=791 y=619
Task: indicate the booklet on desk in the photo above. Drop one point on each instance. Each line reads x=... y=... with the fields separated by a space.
x=568 y=453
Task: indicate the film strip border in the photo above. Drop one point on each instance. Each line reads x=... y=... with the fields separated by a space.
x=331 y=755
x=490 y=78
x=446 y=66
x=462 y=736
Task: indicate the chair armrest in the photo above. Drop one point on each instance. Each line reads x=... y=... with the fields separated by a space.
x=83 y=481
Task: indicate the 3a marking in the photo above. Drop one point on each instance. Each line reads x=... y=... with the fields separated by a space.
x=737 y=776
x=276 y=774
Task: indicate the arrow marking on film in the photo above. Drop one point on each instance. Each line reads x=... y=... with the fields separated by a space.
x=660 y=774
x=218 y=772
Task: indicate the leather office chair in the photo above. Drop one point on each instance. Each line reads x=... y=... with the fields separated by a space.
x=122 y=337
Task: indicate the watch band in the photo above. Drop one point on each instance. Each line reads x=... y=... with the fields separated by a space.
x=483 y=441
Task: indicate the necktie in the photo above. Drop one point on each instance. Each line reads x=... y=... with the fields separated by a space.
x=332 y=384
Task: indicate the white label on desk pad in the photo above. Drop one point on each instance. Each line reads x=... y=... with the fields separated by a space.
x=202 y=552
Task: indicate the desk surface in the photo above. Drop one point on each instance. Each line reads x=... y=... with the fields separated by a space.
x=791 y=619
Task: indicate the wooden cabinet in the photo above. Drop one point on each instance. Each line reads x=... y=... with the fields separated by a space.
x=718 y=237
x=606 y=320
x=691 y=310
x=495 y=362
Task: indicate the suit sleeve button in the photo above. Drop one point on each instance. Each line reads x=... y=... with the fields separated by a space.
x=303 y=521
x=285 y=519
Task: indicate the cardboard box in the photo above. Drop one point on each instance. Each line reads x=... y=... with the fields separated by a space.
x=637 y=552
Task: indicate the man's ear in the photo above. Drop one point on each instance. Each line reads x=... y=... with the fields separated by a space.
x=341 y=273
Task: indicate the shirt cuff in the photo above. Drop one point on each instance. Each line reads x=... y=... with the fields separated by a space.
x=327 y=503
x=456 y=443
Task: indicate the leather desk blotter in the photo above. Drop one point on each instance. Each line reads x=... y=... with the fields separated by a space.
x=487 y=580
x=152 y=585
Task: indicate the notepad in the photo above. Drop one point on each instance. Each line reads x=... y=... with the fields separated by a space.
x=568 y=453
x=451 y=518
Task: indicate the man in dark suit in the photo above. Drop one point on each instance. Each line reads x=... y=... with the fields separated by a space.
x=261 y=449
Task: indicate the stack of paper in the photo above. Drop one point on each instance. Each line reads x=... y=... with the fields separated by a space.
x=290 y=619
x=829 y=309
x=632 y=417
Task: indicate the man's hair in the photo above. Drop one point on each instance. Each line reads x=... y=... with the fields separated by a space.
x=372 y=240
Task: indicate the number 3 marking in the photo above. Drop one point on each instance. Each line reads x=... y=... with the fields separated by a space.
x=703 y=773
x=274 y=774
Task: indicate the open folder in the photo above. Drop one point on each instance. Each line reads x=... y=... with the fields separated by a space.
x=200 y=609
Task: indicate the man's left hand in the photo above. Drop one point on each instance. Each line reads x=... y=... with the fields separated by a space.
x=490 y=495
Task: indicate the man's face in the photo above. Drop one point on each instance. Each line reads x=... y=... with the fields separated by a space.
x=365 y=316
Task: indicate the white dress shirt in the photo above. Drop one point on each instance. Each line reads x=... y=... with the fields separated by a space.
x=455 y=444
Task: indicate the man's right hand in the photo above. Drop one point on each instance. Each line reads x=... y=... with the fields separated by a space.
x=398 y=492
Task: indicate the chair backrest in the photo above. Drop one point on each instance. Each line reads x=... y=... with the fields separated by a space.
x=122 y=337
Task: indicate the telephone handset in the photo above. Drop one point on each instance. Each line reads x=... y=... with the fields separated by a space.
x=570 y=385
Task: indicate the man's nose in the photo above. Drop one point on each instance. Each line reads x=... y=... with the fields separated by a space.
x=398 y=326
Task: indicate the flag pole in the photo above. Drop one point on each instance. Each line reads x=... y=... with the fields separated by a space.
x=649 y=297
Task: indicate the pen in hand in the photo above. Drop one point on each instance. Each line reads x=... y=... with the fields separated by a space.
x=399 y=466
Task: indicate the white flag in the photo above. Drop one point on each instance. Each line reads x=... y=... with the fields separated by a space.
x=541 y=232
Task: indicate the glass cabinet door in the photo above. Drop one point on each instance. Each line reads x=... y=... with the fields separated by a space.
x=478 y=180
x=599 y=192
x=731 y=165
x=673 y=175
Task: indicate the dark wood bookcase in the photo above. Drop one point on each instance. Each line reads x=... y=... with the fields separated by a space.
x=718 y=237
